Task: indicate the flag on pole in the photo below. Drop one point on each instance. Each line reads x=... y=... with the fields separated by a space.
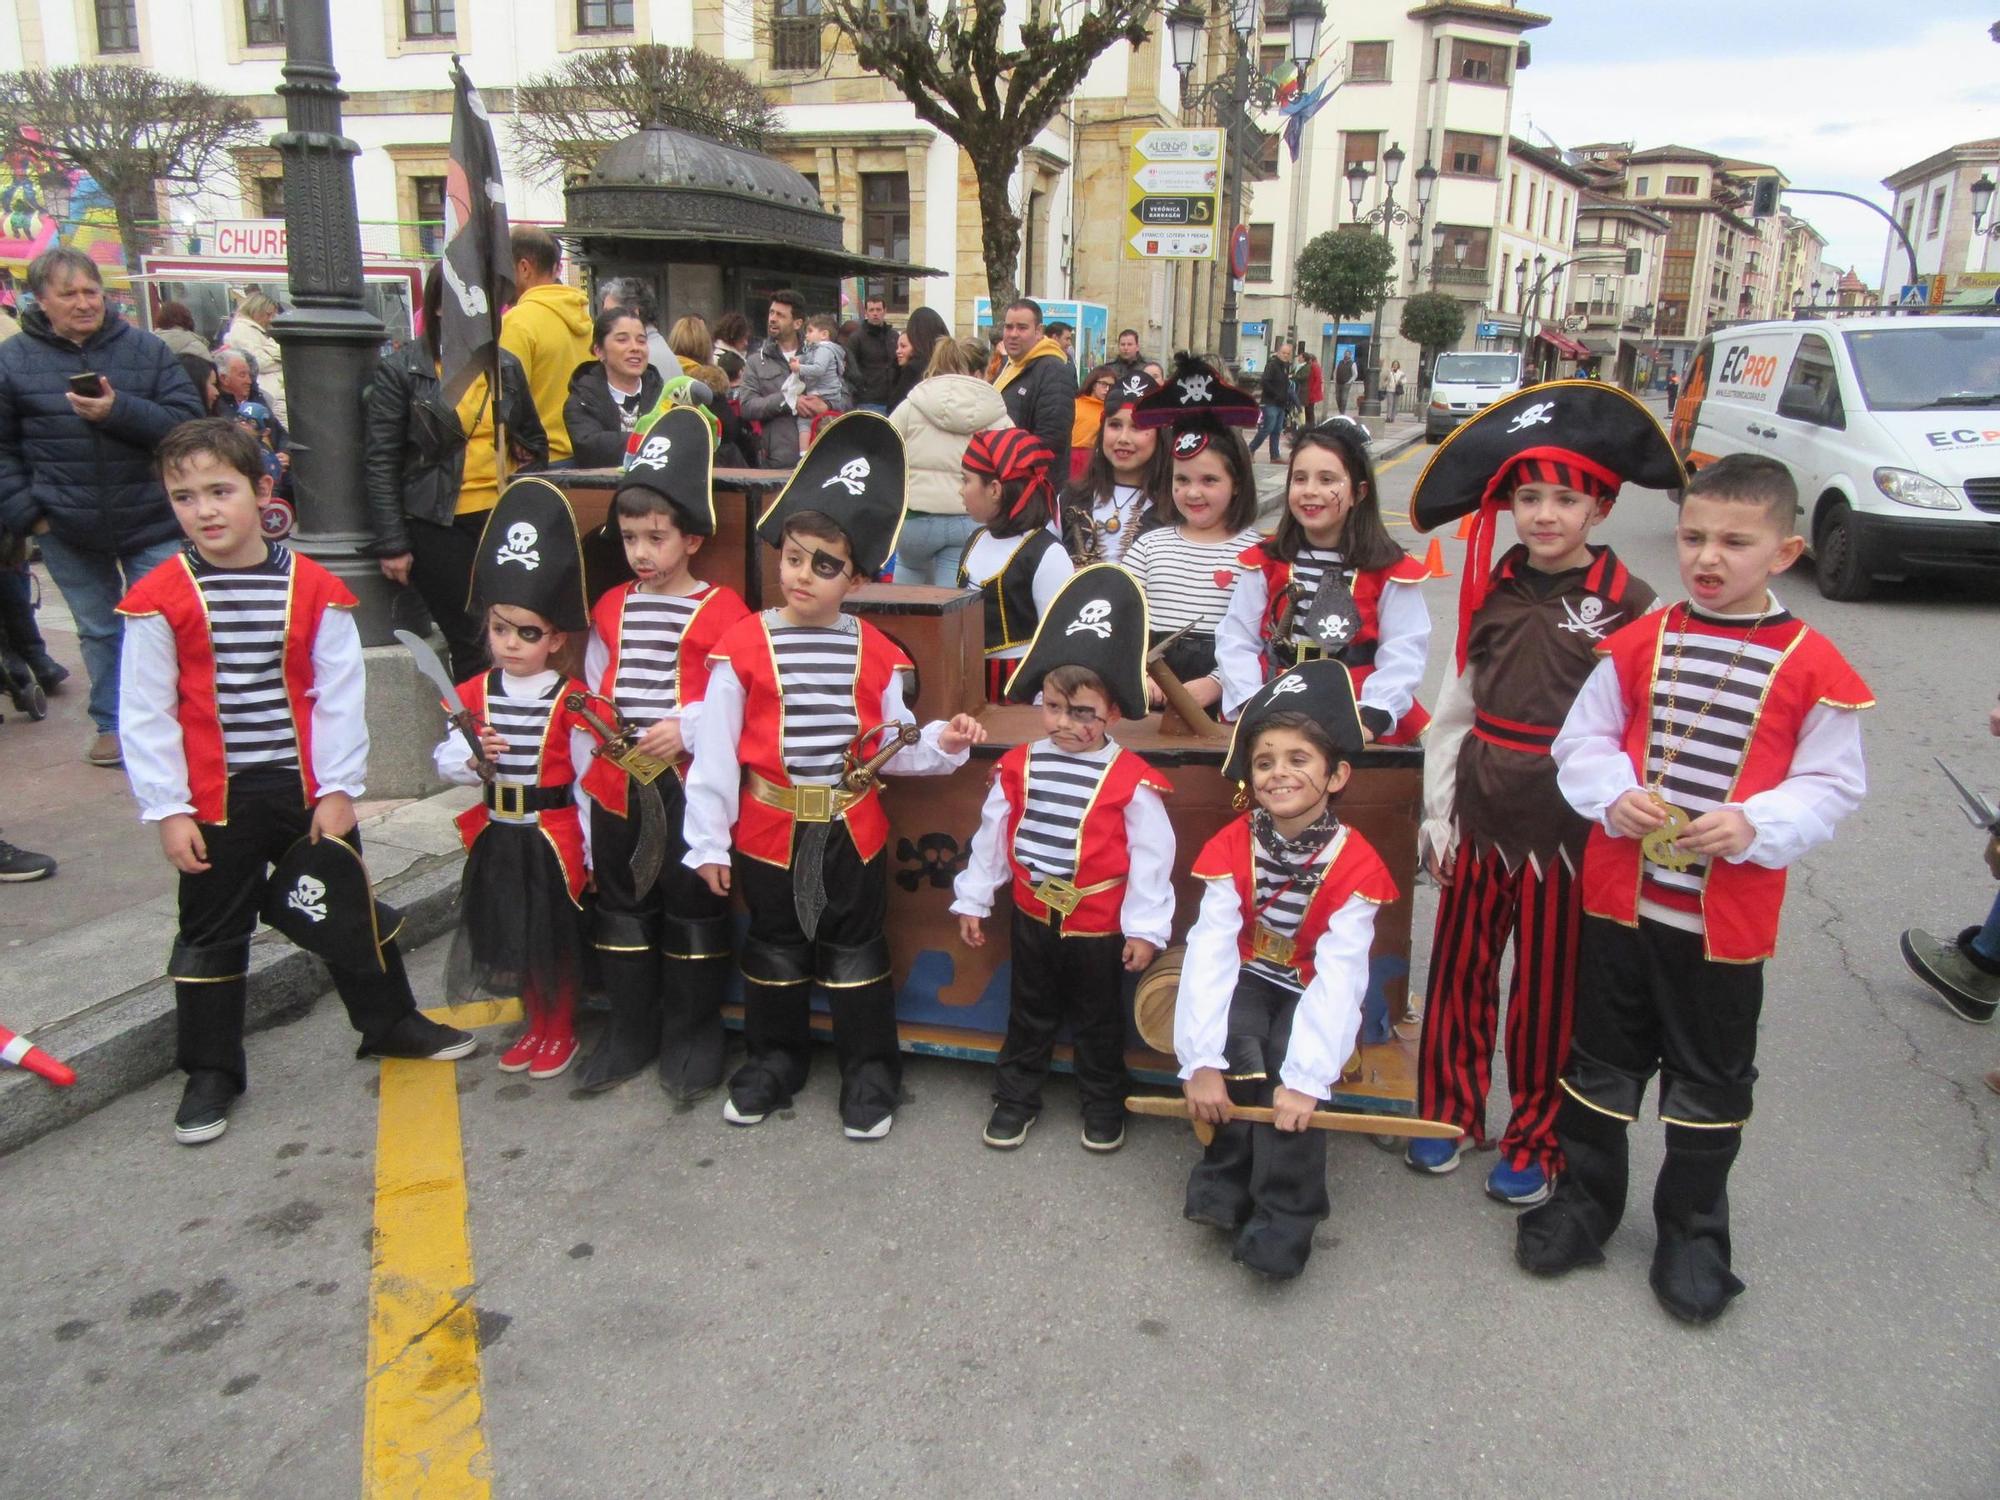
x=478 y=263
x=1303 y=109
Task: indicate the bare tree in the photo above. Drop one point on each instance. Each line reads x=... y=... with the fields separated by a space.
x=564 y=118
x=133 y=130
x=959 y=73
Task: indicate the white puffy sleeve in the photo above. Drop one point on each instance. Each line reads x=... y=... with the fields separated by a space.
x=149 y=677
x=1328 y=1018
x=1208 y=980
x=340 y=704
x=1404 y=644
x=715 y=780
x=986 y=868
x=1592 y=768
x=1239 y=654
x=1827 y=781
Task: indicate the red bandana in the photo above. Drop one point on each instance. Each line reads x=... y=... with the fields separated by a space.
x=1010 y=454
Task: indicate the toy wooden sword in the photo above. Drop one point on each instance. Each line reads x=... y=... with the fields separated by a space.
x=1172 y=1108
x=1979 y=812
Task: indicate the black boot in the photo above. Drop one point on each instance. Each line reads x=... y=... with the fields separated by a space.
x=19 y=683
x=1571 y=1228
x=694 y=977
x=20 y=633
x=1691 y=1274
x=631 y=968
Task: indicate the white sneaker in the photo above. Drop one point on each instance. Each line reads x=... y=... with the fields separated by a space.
x=736 y=1117
x=873 y=1132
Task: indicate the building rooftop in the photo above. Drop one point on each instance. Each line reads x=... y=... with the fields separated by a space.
x=1548 y=161
x=1965 y=151
x=1676 y=153
x=1475 y=10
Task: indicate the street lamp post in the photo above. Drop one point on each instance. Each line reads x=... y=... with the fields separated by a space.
x=1390 y=215
x=1238 y=91
x=331 y=341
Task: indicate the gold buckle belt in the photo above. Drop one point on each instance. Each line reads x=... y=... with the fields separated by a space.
x=809 y=803
x=1065 y=896
x=509 y=801
x=1274 y=947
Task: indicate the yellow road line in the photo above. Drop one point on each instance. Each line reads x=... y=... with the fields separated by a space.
x=423 y=1434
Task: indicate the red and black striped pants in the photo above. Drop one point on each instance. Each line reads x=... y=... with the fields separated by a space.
x=1484 y=905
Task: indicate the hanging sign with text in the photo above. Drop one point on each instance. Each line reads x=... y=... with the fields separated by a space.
x=1175 y=195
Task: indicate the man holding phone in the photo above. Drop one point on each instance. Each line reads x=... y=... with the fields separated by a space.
x=85 y=397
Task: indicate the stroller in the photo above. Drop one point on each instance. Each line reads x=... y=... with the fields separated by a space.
x=28 y=674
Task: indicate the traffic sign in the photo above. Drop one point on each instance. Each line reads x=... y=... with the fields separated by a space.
x=1239 y=251
x=1177 y=176
x=1914 y=294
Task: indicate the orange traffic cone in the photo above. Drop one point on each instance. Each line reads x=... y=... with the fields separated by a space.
x=1465 y=525
x=1434 y=562
x=23 y=1053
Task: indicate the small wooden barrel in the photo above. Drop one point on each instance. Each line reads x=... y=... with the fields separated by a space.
x=1153 y=1003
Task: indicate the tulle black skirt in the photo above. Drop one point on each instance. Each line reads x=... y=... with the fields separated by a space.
x=518 y=931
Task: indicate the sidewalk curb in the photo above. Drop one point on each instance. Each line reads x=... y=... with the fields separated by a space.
x=125 y=1042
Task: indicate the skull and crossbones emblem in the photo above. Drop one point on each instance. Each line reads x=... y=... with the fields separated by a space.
x=853 y=477
x=1290 y=683
x=1135 y=385
x=308 y=898
x=652 y=454
x=1194 y=388
x=1587 y=619
x=520 y=547
x=1334 y=629
x=1188 y=444
x=1095 y=618
x=1541 y=414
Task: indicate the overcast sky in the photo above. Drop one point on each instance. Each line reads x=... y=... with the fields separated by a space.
x=1838 y=93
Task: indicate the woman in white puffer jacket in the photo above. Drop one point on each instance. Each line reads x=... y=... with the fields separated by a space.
x=250 y=331
x=937 y=419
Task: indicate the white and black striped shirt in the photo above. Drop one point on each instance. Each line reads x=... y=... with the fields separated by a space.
x=649 y=651
x=1309 y=568
x=1712 y=744
x=1281 y=901
x=1060 y=791
x=518 y=708
x=246 y=621
x=1188 y=583
x=817 y=668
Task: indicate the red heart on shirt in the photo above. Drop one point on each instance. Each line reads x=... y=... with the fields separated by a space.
x=1225 y=578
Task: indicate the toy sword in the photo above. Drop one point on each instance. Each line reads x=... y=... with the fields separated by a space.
x=1979 y=812
x=460 y=716
x=617 y=741
x=1168 y=1107
x=809 y=839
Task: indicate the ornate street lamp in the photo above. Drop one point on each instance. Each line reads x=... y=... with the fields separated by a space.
x=1184 y=35
x=1982 y=200
x=1390 y=215
x=1304 y=20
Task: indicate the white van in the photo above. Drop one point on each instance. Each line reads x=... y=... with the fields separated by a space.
x=1891 y=425
x=1463 y=384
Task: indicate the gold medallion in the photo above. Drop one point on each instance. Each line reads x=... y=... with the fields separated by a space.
x=1659 y=846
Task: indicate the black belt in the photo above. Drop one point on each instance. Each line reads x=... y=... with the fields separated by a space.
x=517 y=799
x=1360 y=654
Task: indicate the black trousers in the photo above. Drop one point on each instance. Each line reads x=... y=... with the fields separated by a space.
x=848 y=957
x=218 y=917
x=1057 y=979
x=441 y=573
x=1648 y=1000
x=1269 y=1183
x=679 y=892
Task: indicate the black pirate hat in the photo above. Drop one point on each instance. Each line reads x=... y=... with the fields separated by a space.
x=855 y=474
x=320 y=897
x=1198 y=404
x=1129 y=390
x=674 y=457
x=1098 y=620
x=1320 y=689
x=530 y=557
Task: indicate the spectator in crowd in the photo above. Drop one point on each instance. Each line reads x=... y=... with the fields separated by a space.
x=732 y=332
x=173 y=325
x=937 y=419
x=1065 y=337
x=76 y=467
x=921 y=335
x=250 y=331
x=201 y=375
x=17 y=864
x=871 y=357
x=631 y=293
x=1343 y=377
x=1036 y=380
x=691 y=340
x=1089 y=417
x=1311 y=381
x=1278 y=398
x=1155 y=371
x=430 y=485
x=1129 y=361
x=764 y=375
x=610 y=392
x=547 y=330
x=1393 y=384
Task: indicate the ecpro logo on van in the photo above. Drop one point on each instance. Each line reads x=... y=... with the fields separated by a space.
x=1963 y=437
x=1746 y=376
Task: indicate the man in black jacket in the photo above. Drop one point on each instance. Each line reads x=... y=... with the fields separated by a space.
x=871 y=357
x=1037 y=381
x=76 y=460
x=1276 y=393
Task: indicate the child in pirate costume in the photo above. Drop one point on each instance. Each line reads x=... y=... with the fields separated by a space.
x=1717 y=742
x=240 y=701
x=663 y=949
x=1497 y=835
x=1015 y=561
x=520 y=929
x=1277 y=966
x=1126 y=489
x=804 y=710
x=1076 y=824
x=1332 y=582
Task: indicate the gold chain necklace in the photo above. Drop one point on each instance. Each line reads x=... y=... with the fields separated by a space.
x=1660 y=846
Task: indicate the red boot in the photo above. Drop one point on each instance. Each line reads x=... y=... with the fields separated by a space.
x=520 y=1058
x=558 y=1048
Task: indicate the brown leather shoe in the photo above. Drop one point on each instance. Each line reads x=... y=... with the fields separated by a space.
x=105 y=750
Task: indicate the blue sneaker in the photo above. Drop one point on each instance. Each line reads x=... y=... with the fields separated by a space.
x=1518 y=1187
x=1436 y=1154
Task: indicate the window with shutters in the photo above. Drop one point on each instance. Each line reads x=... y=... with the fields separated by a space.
x=117 y=25
x=1262 y=237
x=795 y=34
x=1363 y=147
x=1479 y=62
x=1467 y=155
x=1368 y=62
x=885 y=231
x=1683 y=187
x=263 y=23
x=430 y=213
x=430 y=20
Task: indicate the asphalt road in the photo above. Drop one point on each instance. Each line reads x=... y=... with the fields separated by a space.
x=667 y=1304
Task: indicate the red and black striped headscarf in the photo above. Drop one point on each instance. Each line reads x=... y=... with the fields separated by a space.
x=1013 y=453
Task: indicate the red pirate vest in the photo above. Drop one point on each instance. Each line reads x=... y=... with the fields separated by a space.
x=1739 y=902
x=1355 y=870
x=1102 y=855
x=719 y=609
x=1359 y=653
x=170 y=592
x=765 y=832
x=561 y=826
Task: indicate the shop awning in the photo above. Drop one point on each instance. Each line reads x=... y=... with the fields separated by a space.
x=1600 y=344
x=1974 y=296
x=1562 y=343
